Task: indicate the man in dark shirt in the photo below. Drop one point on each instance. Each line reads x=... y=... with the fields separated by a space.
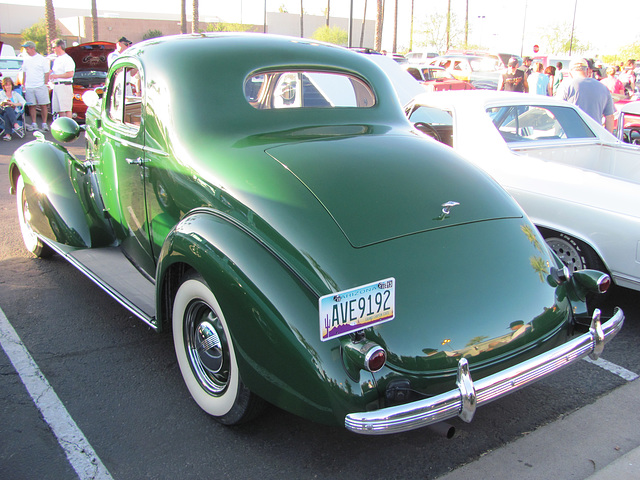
x=513 y=80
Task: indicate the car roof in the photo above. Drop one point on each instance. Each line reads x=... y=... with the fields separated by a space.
x=487 y=98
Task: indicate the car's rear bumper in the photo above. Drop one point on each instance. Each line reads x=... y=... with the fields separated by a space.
x=463 y=400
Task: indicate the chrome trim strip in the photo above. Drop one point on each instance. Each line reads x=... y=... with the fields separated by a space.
x=149 y=320
x=460 y=402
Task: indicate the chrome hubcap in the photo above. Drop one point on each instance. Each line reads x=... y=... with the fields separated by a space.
x=207 y=348
x=567 y=253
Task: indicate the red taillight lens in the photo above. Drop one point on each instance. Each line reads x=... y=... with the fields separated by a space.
x=375 y=359
x=604 y=282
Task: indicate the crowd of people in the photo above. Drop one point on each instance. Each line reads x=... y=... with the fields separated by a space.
x=587 y=85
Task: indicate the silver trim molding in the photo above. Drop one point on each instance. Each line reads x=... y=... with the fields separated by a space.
x=463 y=400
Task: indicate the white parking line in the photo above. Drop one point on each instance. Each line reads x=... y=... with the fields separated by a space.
x=79 y=452
x=628 y=375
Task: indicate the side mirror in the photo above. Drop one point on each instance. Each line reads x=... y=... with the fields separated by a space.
x=65 y=129
x=90 y=98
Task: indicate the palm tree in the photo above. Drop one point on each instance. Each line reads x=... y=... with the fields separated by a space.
x=94 y=21
x=195 y=28
x=50 y=18
x=183 y=16
x=395 y=28
x=379 y=20
x=364 y=16
x=326 y=21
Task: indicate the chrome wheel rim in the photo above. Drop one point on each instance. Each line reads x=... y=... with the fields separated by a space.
x=207 y=347
x=568 y=253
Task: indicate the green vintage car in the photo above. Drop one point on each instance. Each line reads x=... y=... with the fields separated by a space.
x=265 y=200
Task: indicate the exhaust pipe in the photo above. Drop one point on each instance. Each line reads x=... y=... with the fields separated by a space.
x=443 y=429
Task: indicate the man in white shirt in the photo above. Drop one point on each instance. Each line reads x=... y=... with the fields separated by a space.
x=121 y=46
x=61 y=75
x=35 y=76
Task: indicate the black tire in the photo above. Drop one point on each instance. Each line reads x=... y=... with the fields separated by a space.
x=206 y=355
x=31 y=241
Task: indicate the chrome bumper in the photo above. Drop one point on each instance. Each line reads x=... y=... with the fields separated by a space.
x=469 y=395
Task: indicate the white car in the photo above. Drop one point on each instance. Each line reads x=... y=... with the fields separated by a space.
x=10 y=67
x=577 y=182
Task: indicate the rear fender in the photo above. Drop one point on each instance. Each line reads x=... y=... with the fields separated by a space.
x=66 y=206
x=272 y=315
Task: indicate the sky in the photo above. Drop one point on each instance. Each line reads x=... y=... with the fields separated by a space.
x=512 y=26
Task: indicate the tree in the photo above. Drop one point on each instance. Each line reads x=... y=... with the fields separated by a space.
x=195 y=27
x=335 y=35
x=557 y=39
x=379 y=21
x=151 y=34
x=37 y=33
x=436 y=34
x=227 y=27
x=183 y=16
x=94 y=21
x=50 y=18
x=326 y=20
x=395 y=28
x=364 y=16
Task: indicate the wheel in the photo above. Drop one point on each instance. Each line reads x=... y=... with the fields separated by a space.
x=573 y=253
x=428 y=130
x=31 y=241
x=206 y=355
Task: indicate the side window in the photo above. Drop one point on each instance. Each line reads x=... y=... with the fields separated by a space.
x=116 y=101
x=125 y=102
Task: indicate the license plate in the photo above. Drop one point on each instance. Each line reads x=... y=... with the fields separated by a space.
x=344 y=312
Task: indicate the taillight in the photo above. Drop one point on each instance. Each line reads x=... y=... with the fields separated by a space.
x=375 y=359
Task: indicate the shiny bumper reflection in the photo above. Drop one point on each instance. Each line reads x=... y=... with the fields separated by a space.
x=463 y=401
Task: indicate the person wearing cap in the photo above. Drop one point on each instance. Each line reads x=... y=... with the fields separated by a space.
x=513 y=80
x=591 y=96
x=526 y=69
x=61 y=75
x=35 y=76
x=121 y=46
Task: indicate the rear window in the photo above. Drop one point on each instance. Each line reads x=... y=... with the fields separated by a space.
x=307 y=89
x=526 y=123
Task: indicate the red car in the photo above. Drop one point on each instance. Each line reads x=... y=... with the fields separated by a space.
x=91 y=71
x=437 y=78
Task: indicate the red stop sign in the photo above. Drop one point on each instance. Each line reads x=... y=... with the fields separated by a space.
x=536 y=49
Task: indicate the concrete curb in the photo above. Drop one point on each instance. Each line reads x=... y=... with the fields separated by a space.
x=599 y=441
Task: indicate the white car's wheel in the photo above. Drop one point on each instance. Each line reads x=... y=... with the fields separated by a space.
x=31 y=241
x=206 y=355
x=573 y=253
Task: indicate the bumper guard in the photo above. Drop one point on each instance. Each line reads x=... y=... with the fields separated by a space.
x=469 y=395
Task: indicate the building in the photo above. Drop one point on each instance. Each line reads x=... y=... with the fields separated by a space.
x=75 y=24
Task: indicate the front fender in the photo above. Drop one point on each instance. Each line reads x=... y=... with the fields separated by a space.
x=273 y=318
x=62 y=193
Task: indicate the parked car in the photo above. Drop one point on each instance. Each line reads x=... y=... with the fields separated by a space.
x=273 y=209
x=480 y=71
x=10 y=67
x=420 y=57
x=436 y=78
x=577 y=183
x=91 y=71
x=628 y=116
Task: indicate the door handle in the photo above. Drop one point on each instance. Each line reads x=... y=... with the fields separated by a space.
x=135 y=161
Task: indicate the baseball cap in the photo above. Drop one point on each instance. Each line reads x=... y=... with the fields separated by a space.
x=28 y=44
x=513 y=61
x=125 y=40
x=578 y=64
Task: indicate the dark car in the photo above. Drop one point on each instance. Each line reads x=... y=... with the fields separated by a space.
x=265 y=200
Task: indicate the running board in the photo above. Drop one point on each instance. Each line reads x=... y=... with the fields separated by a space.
x=112 y=271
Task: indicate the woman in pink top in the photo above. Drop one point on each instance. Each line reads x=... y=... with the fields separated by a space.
x=614 y=85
